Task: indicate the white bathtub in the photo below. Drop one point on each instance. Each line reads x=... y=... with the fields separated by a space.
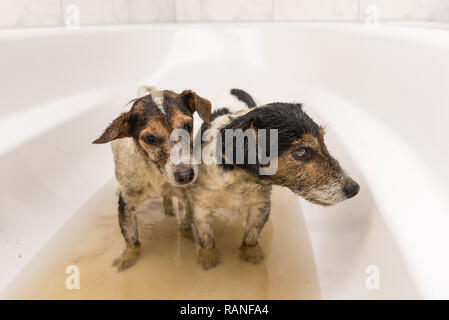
x=383 y=94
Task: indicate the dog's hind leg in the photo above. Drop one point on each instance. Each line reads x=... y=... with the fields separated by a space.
x=168 y=205
x=250 y=250
x=128 y=225
x=208 y=256
x=185 y=213
x=185 y=217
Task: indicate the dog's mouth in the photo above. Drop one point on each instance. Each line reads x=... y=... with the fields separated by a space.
x=321 y=203
x=315 y=200
x=177 y=184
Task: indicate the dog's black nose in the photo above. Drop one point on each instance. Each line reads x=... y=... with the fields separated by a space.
x=352 y=189
x=184 y=176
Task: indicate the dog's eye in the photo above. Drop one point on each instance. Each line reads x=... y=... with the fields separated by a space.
x=188 y=127
x=303 y=154
x=149 y=139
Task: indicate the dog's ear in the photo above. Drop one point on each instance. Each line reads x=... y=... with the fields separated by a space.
x=198 y=104
x=119 y=128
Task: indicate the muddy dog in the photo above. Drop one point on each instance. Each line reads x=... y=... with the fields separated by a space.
x=304 y=165
x=141 y=147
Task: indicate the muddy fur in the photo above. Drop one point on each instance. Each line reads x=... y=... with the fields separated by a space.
x=252 y=254
x=304 y=166
x=168 y=205
x=141 y=145
x=127 y=258
x=208 y=258
x=186 y=233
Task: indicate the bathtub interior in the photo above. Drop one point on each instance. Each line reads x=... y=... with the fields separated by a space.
x=380 y=93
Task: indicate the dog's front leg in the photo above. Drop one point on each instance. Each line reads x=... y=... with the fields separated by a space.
x=208 y=256
x=128 y=225
x=250 y=250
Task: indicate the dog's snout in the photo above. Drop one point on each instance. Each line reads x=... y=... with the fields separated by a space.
x=351 y=189
x=184 y=176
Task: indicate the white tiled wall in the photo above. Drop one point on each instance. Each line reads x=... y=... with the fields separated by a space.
x=423 y=10
x=317 y=10
x=28 y=13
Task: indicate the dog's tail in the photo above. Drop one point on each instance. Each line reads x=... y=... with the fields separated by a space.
x=144 y=90
x=244 y=96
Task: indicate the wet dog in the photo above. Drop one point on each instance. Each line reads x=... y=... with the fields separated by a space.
x=302 y=163
x=141 y=146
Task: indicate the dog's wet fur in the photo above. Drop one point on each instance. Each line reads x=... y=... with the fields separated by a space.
x=305 y=166
x=244 y=97
x=141 y=148
x=316 y=176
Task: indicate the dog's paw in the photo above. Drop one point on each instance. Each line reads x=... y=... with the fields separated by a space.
x=186 y=233
x=127 y=258
x=208 y=258
x=251 y=254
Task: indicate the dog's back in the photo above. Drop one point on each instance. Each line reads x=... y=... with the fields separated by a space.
x=230 y=101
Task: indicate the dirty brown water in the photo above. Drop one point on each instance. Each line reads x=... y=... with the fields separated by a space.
x=167 y=267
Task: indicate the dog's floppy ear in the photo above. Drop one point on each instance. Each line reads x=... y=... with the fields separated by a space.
x=198 y=104
x=119 y=128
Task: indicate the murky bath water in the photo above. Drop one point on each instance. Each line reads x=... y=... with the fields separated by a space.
x=167 y=267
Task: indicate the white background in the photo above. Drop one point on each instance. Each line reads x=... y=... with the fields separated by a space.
x=44 y=13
